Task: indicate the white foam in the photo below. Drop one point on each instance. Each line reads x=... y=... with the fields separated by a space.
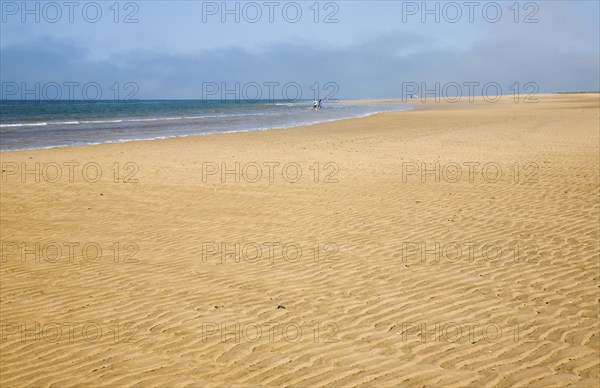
x=64 y=123
x=101 y=121
x=22 y=125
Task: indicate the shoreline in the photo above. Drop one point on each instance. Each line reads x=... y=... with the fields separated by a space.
x=172 y=130
x=213 y=133
x=415 y=104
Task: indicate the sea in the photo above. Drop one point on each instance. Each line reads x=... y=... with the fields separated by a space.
x=46 y=124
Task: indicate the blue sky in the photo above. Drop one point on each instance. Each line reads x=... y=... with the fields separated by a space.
x=370 y=49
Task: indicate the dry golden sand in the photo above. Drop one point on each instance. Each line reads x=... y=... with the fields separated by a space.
x=369 y=313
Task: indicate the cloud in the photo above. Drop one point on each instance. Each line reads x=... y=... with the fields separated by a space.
x=373 y=68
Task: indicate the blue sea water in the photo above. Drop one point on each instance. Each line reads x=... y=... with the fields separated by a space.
x=43 y=124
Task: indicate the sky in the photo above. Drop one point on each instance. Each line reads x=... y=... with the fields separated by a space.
x=272 y=49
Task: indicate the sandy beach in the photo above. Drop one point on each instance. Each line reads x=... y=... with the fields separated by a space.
x=451 y=245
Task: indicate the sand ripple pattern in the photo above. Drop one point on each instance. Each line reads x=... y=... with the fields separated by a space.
x=375 y=313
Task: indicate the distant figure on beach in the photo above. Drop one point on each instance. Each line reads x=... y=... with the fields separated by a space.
x=320 y=104
x=315 y=105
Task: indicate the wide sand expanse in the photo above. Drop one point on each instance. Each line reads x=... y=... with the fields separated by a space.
x=455 y=245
